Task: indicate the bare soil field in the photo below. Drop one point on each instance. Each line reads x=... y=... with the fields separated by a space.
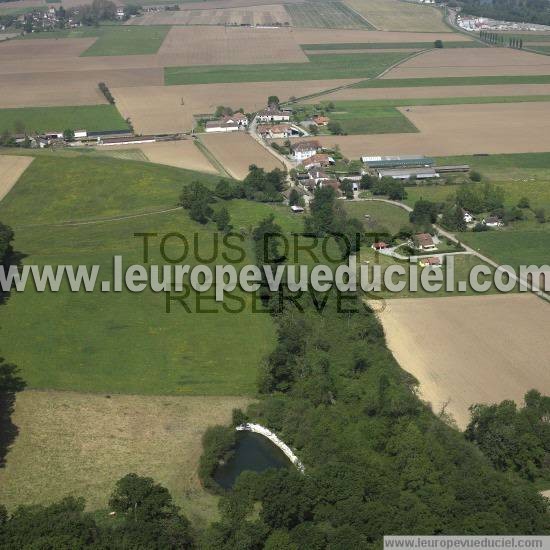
x=54 y=456
x=159 y=109
x=458 y=130
x=44 y=49
x=489 y=90
x=231 y=46
x=268 y=14
x=181 y=154
x=392 y=15
x=336 y=36
x=237 y=151
x=11 y=168
x=472 y=62
x=468 y=350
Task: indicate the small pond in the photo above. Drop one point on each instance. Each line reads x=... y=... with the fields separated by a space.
x=253 y=452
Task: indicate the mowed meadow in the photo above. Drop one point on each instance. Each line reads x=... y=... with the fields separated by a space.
x=121 y=342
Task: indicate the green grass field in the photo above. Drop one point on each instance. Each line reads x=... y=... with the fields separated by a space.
x=383 y=217
x=453 y=81
x=128 y=40
x=320 y=67
x=388 y=45
x=326 y=14
x=360 y=117
x=43 y=119
x=122 y=342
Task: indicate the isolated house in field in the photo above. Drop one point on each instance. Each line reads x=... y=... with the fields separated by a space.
x=380 y=245
x=468 y=218
x=304 y=150
x=424 y=241
x=273 y=114
x=297 y=209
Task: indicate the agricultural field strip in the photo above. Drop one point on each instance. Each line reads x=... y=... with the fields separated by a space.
x=328 y=66
x=329 y=15
x=453 y=81
x=43 y=119
x=385 y=45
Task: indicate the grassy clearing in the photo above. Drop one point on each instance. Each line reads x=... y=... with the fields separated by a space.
x=388 y=45
x=44 y=119
x=392 y=15
x=453 y=81
x=152 y=436
x=325 y=15
x=383 y=217
x=123 y=342
x=320 y=67
x=128 y=40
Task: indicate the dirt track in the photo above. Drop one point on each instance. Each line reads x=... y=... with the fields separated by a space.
x=472 y=349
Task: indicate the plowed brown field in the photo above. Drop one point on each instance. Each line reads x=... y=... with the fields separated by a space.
x=11 y=168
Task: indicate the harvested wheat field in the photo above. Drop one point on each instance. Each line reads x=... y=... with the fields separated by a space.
x=467 y=350
x=54 y=456
x=167 y=109
x=472 y=62
x=458 y=130
x=392 y=15
x=11 y=168
x=429 y=92
x=185 y=46
x=266 y=15
x=237 y=151
x=181 y=154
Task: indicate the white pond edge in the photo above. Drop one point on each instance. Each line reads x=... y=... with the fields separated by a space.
x=257 y=428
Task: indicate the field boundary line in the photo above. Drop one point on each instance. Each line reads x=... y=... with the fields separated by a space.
x=391 y=67
x=223 y=171
x=102 y=220
x=374 y=27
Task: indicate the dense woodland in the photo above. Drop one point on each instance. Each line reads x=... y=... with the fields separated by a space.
x=523 y=11
x=377 y=459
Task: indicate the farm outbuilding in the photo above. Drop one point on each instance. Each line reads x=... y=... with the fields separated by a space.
x=402 y=161
x=405 y=174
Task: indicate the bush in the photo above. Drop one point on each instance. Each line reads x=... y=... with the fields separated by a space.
x=475 y=176
x=438 y=44
x=524 y=203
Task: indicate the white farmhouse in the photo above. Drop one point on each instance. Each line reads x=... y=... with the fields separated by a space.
x=304 y=150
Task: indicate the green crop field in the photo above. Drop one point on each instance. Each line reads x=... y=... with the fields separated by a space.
x=388 y=45
x=43 y=119
x=326 y=14
x=123 y=342
x=320 y=67
x=128 y=40
x=453 y=81
x=359 y=117
x=513 y=247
